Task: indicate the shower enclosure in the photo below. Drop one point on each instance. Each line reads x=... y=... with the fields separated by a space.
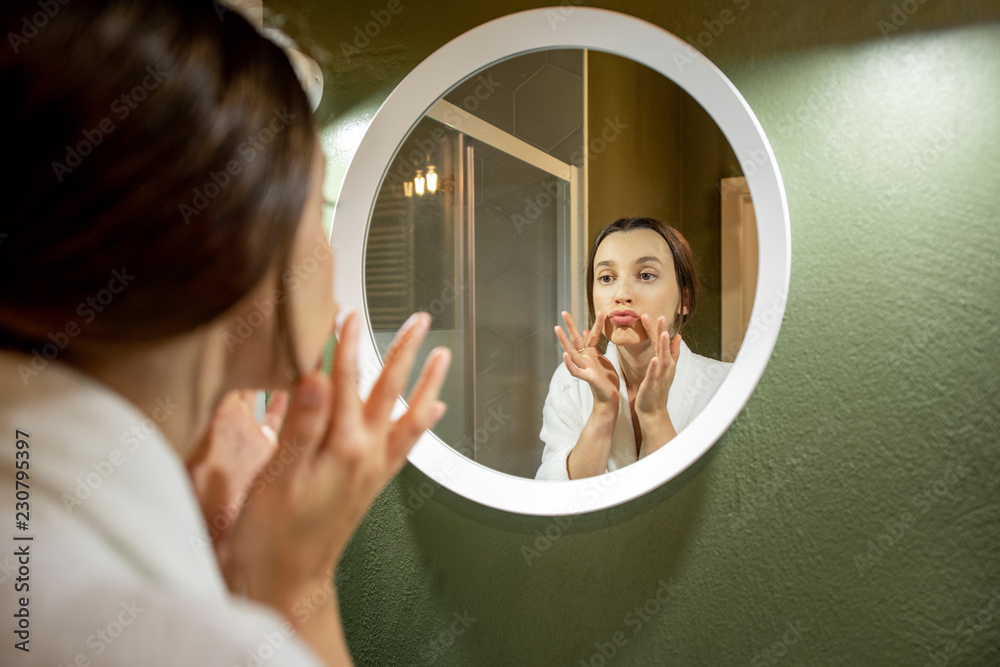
x=485 y=231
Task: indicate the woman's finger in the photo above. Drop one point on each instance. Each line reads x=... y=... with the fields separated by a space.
x=566 y=345
x=345 y=400
x=307 y=418
x=654 y=369
x=594 y=335
x=574 y=334
x=425 y=410
x=650 y=328
x=664 y=328
x=425 y=394
x=574 y=370
x=675 y=347
x=403 y=435
x=398 y=362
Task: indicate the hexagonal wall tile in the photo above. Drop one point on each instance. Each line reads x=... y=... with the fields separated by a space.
x=517 y=303
x=538 y=355
x=496 y=241
x=494 y=365
x=548 y=107
x=507 y=182
x=507 y=434
x=536 y=231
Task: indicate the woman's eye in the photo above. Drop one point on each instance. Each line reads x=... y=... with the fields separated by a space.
x=604 y=279
x=645 y=275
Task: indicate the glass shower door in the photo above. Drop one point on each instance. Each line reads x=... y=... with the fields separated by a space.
x=491 y=254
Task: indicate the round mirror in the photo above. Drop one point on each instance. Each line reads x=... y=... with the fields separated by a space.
x=483 y=180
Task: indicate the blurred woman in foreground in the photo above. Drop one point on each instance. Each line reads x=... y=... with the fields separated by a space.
x=162 y=248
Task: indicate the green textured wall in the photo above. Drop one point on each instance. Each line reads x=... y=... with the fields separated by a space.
x=850 y=516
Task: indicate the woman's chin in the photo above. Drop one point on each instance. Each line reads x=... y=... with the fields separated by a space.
x=626 y=336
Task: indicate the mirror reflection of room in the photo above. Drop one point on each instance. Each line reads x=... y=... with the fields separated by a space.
x=486 y=213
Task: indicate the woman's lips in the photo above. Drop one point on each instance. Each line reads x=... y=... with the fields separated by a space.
x=623 y=318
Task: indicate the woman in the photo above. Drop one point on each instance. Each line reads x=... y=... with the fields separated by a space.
x=162 y=249
x=605 y=411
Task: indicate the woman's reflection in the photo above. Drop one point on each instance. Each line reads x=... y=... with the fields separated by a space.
x=605 y=411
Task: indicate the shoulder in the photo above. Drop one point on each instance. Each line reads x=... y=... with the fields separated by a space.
x=699 y=372
x=707 y=363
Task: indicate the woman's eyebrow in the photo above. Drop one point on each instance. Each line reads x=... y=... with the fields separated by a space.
x=606 y=262
x=648 y=259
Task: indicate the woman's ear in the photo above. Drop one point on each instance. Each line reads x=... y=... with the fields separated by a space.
x=683 y=308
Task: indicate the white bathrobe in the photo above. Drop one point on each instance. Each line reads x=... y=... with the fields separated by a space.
x=570 y=401
x=120 y=570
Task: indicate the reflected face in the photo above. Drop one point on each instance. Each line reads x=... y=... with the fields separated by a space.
x=634 y=275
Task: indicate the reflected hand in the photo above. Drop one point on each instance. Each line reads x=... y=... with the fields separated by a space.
x=585 y=362
x=654 y=389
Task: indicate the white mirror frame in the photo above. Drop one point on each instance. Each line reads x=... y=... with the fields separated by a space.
x=623 y=35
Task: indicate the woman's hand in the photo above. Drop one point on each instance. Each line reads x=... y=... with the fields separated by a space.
x=655 y=387
x=585 y=362
x=227 y=459
x=651 y=397
x=334 y=456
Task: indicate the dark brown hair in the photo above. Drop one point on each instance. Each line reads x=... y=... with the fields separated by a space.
x=166 y=139
x=685 y=267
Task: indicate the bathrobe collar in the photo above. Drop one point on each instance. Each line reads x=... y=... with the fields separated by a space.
x=105 y=464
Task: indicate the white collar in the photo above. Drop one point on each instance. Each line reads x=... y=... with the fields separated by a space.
x=683 y=362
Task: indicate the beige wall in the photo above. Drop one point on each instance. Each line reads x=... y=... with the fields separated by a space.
x=655 y=152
